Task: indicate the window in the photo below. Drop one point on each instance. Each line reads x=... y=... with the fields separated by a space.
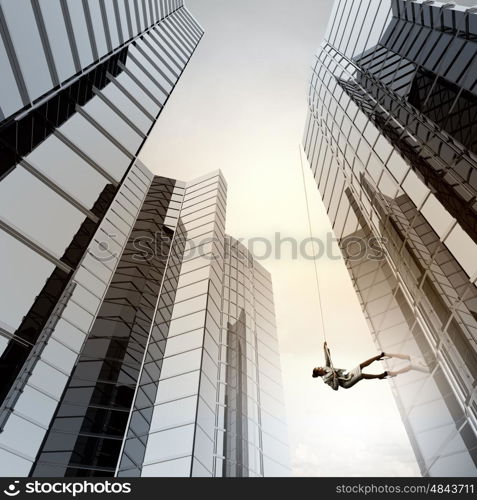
x=181 y=363
x=9 y=94
x=170 y=444
x=98 y=27
x=174 y=413
x=38 y=212
x=29 y=49
x=126 y=106
x=113 y=124
x=25 y=272
x=96 y=145
x=68 y=170
x=58 y=38
x=178 y=387
x=80 y=30
x=172 y=468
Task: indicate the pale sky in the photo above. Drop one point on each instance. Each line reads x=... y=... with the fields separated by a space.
x=240 y=106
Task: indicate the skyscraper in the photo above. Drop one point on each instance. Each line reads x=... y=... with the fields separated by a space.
x=136 y=339
x=390 y=138
x=161 y=358
x=82 y=85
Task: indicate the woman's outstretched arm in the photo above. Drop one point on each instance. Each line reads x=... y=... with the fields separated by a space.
x=327 y=355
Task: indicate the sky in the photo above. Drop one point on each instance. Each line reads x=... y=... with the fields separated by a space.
x=240 y=107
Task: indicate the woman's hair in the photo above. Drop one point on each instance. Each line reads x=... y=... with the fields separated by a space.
x=316 y=372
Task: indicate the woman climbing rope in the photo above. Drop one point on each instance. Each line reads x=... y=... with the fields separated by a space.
x=334 y=377
x=337 y=377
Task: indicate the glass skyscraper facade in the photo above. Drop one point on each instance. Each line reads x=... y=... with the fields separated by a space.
x=161 y=358
x=136 y=339
x=254 y=434
x=390 y=137
x=211 y=403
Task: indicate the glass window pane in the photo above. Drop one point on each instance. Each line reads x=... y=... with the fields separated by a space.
x=206 y=418
x=96 y=145
x=171 y=468
x=151 y=70
x=204 y=450
x=464 y=250
x=397 y=166
x=273 y=469
x=174 y=413
x=126 y=106
x=98 y=27
x=22 y=436
x=80 y=30
x=181 y=363
x=114 y=124
x=46 y=378
x=184 y=342
x=170 y=443
x=140 y=14
x=187 y=323
x=138 y=94
x=190 y=306
x=274 y=448
x=113 y=27
x=25 y=272
x=178 y=387
x=164 y=51
x=58 y=355
x=10 y=100
x=29 y=49
x=44 y=406
x=68 y=334
x=39 y=212
x=58 y=38
x=132 y=13
x=124 y=21
x=68 y=170
x=13 y=465
x=192 y=290
x=90 y=281
x=437 y=216
x=156 y=75
x=415 y=188
x=274 y=426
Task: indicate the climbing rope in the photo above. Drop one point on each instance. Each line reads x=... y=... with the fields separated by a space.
x=323 y=329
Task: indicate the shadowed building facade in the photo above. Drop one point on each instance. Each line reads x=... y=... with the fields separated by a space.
x=390 y=137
